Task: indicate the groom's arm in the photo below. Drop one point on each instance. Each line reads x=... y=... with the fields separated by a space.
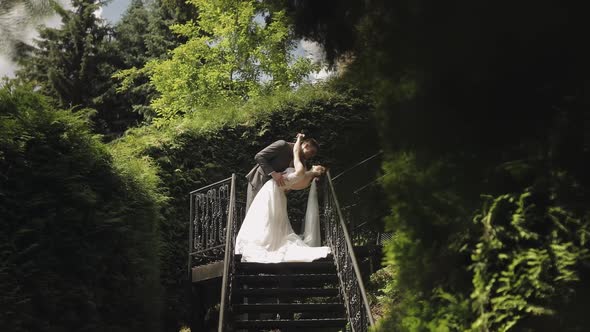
x=265 y=155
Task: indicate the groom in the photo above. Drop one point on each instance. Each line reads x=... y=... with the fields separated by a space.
x=274 y=159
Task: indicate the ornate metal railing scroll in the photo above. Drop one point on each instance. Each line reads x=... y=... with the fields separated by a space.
x=209 y=207
x=234 y=217
x=349 y=275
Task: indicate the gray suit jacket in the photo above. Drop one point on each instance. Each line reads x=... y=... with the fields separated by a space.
x=275 y=157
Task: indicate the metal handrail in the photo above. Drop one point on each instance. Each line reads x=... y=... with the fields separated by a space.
x=210 y=185
x=355 y=266
x=229 y=258
x=357 y=165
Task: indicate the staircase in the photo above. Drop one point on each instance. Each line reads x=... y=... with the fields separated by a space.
x=324 y=295
x=287 y=297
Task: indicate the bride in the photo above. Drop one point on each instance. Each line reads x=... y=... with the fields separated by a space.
x=266 y=235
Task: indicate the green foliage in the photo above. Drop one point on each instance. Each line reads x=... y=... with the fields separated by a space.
x=470 y=107
x=79 y=232
x=527 y=262
x=446 y=311
x=235 y=50
x=200 y=149
x=65 y=60
x=142 y=35
x=74 y=63
x=428 y=219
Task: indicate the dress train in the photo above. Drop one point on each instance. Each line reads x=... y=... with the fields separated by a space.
x=266 y=235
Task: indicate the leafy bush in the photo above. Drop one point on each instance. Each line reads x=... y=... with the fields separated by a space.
x=522 y=265
x=529 y=263
x=79 y=232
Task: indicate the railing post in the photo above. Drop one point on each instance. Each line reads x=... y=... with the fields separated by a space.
x=190 y=237
x=229 y=256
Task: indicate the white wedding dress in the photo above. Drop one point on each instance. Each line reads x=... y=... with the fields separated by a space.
x=266 y=235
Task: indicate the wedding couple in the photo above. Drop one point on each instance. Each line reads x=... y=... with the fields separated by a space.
x=266 y=234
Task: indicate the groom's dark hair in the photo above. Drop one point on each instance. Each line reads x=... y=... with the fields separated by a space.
x=311 y=142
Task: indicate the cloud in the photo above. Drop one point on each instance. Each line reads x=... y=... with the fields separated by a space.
x=98 y=13
x=312 y=50
x=19 y=23
x=6 y=66
x=316 y=53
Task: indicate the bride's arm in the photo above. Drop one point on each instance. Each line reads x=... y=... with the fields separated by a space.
x=299 y=167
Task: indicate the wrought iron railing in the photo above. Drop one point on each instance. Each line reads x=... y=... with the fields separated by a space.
x=215 y=216
x=349 y=274
x=209 y=208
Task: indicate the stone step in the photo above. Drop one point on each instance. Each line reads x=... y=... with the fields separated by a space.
x=296 y=279
x=282 y=323
x=286 y=292
x=286 y=268
x=288 y=307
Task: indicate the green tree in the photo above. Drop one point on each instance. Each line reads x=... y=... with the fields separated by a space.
x=235 y=50
x=142 y=35
x=74 y=63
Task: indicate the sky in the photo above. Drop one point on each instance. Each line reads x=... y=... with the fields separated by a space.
x=113 y=11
